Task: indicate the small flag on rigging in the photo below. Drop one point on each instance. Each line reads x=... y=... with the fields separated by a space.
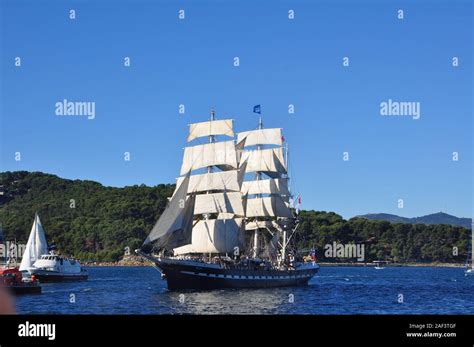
x=257 y=109
x=298 y=204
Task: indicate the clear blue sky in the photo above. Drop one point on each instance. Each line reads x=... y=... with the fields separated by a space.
x=300 y=62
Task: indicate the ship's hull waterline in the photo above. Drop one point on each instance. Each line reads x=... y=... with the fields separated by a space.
x=56 y=276
x=184 y=274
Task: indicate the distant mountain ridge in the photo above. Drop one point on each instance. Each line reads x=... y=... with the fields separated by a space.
x=435 y=218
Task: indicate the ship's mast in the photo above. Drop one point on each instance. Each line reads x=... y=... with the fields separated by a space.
x=258 y=176
x=211 y=137
x=285 y=227
x=209 y=168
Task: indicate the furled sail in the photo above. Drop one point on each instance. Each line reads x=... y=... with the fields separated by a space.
x=266 y=186
x=273 y=206
x=173 y=228
x=210 y=154
x=265 y=160
x=261 y=137
x=265 y=224
x=221 y=180
x=36 y=245
x=214 y=236
x=210 y=128
x=227 y=202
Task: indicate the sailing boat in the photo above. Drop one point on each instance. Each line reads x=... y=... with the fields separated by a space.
x=36 y=245
x=48 y=267
x=200 y=242
x=470 y=268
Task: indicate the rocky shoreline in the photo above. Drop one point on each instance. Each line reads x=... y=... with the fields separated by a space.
x=138 y=261
x=131 y=260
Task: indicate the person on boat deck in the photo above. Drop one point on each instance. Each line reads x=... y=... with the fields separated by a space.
x=292 y=261
x=6 y=302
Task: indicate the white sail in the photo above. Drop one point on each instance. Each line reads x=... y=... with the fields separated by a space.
x=221 y=180
x=36 y=245
x=220 y=193
x=209 y=154
x=227 y=202
x=214 y=236
x=261 y=137
x=264 y=160
x=173 y=228
x=210 y=128
x=239 y=149
x=225 y=215
x=273 y=206
x=266 y=186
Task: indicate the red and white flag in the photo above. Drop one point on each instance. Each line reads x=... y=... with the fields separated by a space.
x=298 y=204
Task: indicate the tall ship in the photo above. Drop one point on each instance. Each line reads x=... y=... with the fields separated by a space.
x=229 y=223
x=43 y=263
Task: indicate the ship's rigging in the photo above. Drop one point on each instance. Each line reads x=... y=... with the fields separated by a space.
x=229 y=192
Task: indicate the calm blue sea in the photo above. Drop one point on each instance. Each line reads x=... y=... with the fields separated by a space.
x=335 y=290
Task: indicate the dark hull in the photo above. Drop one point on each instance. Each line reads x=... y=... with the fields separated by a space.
x=191 y=275
x=53 y=276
